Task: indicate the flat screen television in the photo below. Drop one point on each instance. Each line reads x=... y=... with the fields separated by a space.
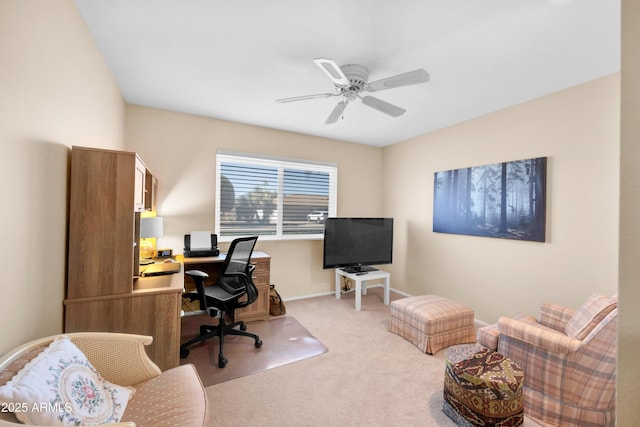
x=354 y=244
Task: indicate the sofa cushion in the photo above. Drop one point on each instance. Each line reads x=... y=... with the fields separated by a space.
x=587 y=317
x=175 y=398
x=60 y=387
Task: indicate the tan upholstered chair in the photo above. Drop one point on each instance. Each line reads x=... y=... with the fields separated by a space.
x=169 y=398
x=569 y=359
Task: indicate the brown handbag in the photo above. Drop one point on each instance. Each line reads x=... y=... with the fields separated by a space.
x=276 y=307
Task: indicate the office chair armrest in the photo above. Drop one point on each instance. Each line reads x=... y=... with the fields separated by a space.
x=198 y=278
x=243 y=276
x=249 y=287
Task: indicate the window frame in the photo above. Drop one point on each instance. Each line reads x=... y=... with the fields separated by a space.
x=280 y=163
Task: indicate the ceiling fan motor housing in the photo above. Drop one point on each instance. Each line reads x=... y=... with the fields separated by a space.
x=357 y=74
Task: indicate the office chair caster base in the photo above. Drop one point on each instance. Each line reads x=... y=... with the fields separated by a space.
x=222 y=362
x=184 y=352
x=258 y=343
x=243 y=327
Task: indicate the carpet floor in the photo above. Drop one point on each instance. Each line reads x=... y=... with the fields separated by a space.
x=369 y=376
x=284 y=339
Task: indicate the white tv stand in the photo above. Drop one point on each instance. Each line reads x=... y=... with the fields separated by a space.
x=360 y=280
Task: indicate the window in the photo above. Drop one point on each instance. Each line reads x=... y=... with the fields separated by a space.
x=273 y=198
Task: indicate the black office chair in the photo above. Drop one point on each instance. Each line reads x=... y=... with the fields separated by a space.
x=233 y=283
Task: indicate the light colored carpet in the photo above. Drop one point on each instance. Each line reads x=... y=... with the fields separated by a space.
x=369 y=376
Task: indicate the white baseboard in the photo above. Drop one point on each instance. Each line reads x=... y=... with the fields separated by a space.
x=308 y=296
x=379 y=285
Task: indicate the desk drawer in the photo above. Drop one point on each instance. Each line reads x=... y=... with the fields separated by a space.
x=259 y=310
x=260 y=278
x=262 y=266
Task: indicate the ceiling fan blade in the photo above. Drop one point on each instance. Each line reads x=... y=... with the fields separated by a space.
x=332 y=70
x=336 y=113
x=404 y=79
x=305 y=97
x=383 y=106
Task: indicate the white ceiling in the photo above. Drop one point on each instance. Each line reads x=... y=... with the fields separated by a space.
x=232 y=59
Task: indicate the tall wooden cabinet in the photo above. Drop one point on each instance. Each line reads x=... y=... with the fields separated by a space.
x=108 y=189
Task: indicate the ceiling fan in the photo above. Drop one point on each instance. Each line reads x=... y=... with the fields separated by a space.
x=351 y=79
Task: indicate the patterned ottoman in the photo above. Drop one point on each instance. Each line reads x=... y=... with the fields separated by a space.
x=482 y=387
x=431 y=322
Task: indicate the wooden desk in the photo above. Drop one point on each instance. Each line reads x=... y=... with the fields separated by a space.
x=259 y=310
x=152 y=308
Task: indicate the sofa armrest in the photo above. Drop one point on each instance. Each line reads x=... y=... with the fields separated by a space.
x=119 y=358
x=11 y=424
x=539 y=336
x=555 y=316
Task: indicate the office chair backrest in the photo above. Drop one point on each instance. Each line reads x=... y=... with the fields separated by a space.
x=238 y=260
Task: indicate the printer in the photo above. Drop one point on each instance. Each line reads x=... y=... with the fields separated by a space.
x=199 y=244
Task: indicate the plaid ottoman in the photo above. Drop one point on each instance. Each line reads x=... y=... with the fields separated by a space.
x=482 y=387
x=431 y=322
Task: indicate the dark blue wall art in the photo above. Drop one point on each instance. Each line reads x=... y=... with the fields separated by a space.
x=505 y=200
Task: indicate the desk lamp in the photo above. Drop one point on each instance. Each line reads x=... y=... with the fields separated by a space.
x=150 y=229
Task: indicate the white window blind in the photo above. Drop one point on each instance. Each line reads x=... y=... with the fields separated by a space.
x=273 y=198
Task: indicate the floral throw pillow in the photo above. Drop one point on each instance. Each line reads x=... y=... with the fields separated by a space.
x=61 y=387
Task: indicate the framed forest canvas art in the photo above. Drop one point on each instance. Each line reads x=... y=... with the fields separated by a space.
x=504 y=200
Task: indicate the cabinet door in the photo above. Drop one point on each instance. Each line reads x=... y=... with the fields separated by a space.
x=139 y=185
x=150 y=191
x=101 y=223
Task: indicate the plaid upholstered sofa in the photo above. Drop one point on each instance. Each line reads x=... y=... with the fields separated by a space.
x=569 y=359
x=84 y=378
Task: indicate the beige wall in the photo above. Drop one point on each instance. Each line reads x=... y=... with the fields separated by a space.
x=628 y=392
x=180 y=150
x=578 y=130
x=55 y=91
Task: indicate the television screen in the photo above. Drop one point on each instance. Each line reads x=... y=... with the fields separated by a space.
x=357 y=242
